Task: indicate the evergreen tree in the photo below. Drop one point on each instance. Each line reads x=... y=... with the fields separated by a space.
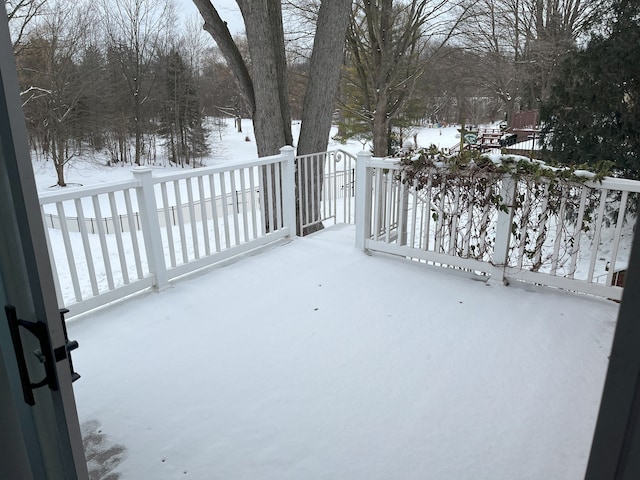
x=181 y=117
x=593 y=114
x=119 y=111
x=93 y=105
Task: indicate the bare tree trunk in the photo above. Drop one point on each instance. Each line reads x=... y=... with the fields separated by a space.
x=59 y=158
x=272 y=119
x=265 y=91
x=324 y=76
x=380 y=133
x=138 y=128
x=317 y=111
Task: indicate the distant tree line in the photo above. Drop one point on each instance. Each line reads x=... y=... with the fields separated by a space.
x=117 y=75
x=447 y=61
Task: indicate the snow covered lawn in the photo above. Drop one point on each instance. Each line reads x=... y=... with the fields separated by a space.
x=313 y=360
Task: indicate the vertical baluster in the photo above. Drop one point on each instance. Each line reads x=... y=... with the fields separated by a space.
x=103 y=241
x=119 y=245
x=427 y=217
x=616 y=240
x=225 y=209
x=270 y=198
x=559 y=233
x=313 y=174
x=377 y=202
x=316 y=186
x=542 y=229
x=596 y=236
x=578 y=232
x=203 y=215
x=484 y=222
x=469 y=208
x=192 y=218
x=414 y=212
x=180 y=214
x=346 y=197
x=254 y=212
x=245 y=220
x=524 y=223
x=54 y=268
x=278 y=198
x=389 y=205
x=236 y=208
x=301 y=206
x=87 y=247
x=263 y=198
x=347 y=192
x=333 y=167
x=69 y=251
x=133 y=232
x=391 y=202
x=215 y=220
x=402 y=210
x=454 y=222
x=440 y=233
x=168 y=223
x=308 y=173
x=322 y=211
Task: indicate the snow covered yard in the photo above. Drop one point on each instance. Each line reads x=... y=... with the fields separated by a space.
x=313 y=360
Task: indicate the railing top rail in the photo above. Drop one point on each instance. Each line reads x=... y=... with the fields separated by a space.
x=389 y=163
x=229 y=167
x=612 y=183
x=609 y=183
x=72 y=194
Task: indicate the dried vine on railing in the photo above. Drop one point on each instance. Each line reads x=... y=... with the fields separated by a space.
x=464 y=193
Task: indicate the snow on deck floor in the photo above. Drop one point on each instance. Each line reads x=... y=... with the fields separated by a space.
x=313 y=360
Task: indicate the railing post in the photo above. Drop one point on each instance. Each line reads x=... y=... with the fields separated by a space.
x=504 y=226
x=289 y=189
x=151 y=226
x=363 y=199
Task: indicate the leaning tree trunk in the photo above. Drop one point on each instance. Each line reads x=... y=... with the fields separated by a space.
x=317 y=111
x=265 y=90
x=272 y=118
x=219 y=31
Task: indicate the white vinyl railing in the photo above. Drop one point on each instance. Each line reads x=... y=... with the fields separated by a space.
x=165 y=226
x=334 y=201
x=116 y=239
x=579 y=244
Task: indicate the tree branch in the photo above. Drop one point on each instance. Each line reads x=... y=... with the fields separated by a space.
x=217 y=28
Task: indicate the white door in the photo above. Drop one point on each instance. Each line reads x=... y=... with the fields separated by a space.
x=39 y=430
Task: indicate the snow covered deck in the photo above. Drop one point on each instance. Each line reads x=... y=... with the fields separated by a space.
x=313 y=360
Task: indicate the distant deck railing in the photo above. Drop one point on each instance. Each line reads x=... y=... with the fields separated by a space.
x=112 y=240
x=577 y=245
